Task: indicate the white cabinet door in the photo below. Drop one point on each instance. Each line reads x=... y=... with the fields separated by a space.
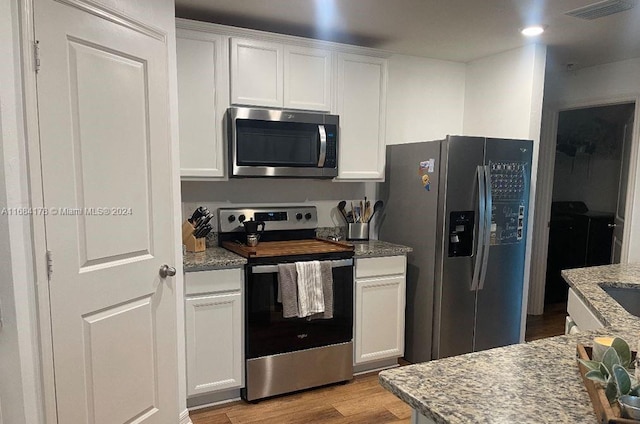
x=256 y=73
x=379 y=320
x=307 y=78
x=214 y=342
x=581 y=314
x=202 y=100
x=361 y=104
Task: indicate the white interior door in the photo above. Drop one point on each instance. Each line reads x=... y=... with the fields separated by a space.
x=618 y=231
x=105 y=143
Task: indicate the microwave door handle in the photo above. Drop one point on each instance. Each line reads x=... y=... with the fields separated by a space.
x=322 y=156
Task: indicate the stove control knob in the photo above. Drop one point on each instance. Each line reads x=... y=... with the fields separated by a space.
x=298 y=216
x=241 y=218
x=307 y=215
x=231 y=218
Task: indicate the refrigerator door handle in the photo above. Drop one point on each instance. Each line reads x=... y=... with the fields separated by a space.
x=487 y=224
x=480 y=240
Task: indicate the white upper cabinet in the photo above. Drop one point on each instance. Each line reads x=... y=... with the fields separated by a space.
x=202 y=102
x=222 y=66
x=361 y=104
x=280 y=75
x=256 y=73
x=307 y=78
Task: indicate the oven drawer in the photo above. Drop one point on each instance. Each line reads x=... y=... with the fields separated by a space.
x=213 y=281
x=375 y=267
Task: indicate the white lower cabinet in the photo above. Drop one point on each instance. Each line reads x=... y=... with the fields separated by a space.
x=214 y=331
x=581 y=315
x=379 y=309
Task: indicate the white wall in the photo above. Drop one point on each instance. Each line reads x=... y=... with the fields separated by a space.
x=592 y=180
x=503 y=95
x=325 y=195
x=503 y=98
x=604 y=84
x=425 y=99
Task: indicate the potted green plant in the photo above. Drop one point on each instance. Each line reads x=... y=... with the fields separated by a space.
x=614 y=371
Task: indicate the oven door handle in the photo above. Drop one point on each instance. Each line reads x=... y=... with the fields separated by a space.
x=269 y=269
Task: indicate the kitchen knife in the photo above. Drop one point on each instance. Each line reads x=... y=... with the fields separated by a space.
x=203 y=231
x=206 y=230
x=203 y=220
x=197 y=214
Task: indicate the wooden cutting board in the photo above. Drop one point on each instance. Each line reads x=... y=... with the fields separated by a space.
x=287 y=248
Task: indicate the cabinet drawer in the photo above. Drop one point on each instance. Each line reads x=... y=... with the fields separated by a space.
x=581 y=314
x=373 y=267
x=213 y=281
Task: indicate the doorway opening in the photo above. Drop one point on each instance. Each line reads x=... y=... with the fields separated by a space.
x=593 y=148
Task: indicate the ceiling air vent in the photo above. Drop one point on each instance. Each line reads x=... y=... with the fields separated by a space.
x=600 y=9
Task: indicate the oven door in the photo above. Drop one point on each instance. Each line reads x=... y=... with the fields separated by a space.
x=269 y=333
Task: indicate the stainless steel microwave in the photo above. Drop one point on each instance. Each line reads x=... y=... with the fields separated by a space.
x=281 y=143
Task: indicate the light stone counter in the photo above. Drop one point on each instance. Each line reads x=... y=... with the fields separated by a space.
x=535 y=382
x=212 y=258
x=219 y=258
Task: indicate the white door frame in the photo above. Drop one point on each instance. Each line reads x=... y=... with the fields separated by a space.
x=38 y=234
x=42 y=348
x=544 y=192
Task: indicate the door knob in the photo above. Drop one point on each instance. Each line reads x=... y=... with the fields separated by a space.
x=612 y=225
x=167 y=271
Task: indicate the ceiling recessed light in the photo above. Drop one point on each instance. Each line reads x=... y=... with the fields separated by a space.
x=532 y=31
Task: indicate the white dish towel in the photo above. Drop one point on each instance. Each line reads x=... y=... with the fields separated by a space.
x=310 y=291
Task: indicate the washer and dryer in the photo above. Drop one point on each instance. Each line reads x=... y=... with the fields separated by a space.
x=578 y=237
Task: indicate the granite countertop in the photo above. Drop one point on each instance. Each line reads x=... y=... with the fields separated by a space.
x=218 y=257
x=373 y=248
x=587 y=282
x=210 y=259
x=536 y=382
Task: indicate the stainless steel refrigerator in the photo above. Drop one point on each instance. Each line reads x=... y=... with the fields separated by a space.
x=462 y=204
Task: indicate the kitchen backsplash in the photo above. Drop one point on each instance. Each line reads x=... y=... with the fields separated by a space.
x=322 y=194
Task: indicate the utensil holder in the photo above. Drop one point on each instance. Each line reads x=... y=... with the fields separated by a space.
x=188 y=239
x=358 y=231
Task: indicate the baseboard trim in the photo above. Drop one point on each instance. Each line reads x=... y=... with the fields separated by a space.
x=184 y=417
x=375 y=366
x=212 y=399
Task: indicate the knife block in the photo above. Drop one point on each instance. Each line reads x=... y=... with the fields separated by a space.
x=193 y=244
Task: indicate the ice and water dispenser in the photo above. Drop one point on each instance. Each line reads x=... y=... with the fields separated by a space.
x=461 y=225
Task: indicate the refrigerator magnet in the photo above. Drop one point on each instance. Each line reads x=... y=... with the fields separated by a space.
x=422 y=173
x=426 y=182
x=428 y=165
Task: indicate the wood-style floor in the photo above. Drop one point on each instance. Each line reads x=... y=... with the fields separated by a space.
x=549 y=324
x=362 y=400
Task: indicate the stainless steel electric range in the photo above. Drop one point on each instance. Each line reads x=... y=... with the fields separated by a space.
x=289 y=354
